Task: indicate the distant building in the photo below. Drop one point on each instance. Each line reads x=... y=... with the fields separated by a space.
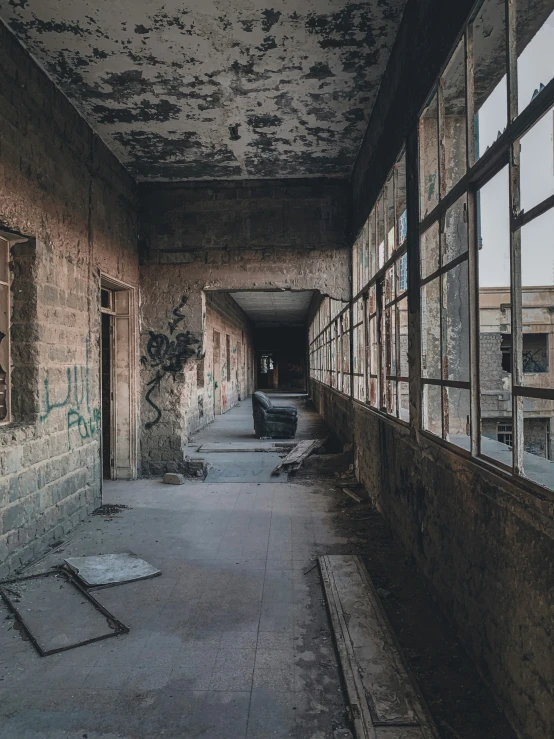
x=495 y=366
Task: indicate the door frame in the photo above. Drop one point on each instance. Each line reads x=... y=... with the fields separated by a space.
x=126 y=317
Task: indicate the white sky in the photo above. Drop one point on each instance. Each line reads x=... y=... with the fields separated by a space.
x=535 y=66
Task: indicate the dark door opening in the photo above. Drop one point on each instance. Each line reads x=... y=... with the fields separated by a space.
x=106 y=384
x=267 y=378
x=281 y=363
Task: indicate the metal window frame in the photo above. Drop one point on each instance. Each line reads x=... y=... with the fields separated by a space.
x=505 y=151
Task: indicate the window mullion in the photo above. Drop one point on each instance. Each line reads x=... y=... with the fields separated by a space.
x=516 y=310
x=470 y=98
x=515 y=241
x=442 y=330
x=474 y=327
x=511 y=52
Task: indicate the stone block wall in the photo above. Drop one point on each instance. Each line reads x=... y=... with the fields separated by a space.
x=62 y=191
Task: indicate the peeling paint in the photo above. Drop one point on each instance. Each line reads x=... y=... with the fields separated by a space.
x=288 y=90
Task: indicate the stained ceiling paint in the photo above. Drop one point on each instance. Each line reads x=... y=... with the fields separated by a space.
x=266 y=308
x=213 y=89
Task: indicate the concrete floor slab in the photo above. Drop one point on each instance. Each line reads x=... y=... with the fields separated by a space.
x=216 y=642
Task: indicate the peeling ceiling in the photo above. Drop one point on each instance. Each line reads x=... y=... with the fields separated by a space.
x=275 y=308
x=213 y=89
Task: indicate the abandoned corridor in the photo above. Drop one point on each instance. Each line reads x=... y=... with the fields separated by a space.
x=351 y=202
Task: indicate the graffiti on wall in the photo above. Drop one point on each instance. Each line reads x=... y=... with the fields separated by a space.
x=167 y=355
x=74 y=399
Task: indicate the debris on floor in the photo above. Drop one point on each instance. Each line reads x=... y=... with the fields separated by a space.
x=173 y=478
x=352 y=495
x=109 y=509
x=57 y=613
x=295 y=458
x=110 y=569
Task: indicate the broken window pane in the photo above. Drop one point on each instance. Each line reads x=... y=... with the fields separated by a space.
x=537 y=301
x=535 y=49
x=429 y=251
x=455 y=231
x=454 y=123
x=538 y=441
x=535 y=353
x=432 y=409
x=455 y=290
x=457 y=416
x=490 y=80
x=430 y=330
x=429 y=158
x=537 y=163
x=495 y=338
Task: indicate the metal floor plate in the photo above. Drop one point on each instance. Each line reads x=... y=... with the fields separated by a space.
x=111 y=569
x=57 y=612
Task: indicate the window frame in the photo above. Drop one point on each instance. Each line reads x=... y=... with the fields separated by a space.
x=505 y=151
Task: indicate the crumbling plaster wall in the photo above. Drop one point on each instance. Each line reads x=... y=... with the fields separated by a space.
x=254 y=235
x=61 y=188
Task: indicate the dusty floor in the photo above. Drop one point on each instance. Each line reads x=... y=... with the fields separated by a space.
x=233 y=639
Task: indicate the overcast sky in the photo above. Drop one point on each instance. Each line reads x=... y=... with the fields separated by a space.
x=535 y=66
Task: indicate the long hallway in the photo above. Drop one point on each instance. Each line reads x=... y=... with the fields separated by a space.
x=233 y=640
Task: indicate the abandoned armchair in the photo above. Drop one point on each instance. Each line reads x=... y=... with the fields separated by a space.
x=273 y=422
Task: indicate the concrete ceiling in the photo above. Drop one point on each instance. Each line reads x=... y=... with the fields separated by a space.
x=267 y=309
x=216 y=90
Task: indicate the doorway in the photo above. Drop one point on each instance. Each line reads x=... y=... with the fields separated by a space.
x=217 y=372
x=106 y=400
x=117 y=372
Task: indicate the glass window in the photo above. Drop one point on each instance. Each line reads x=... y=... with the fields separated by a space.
x=490 y=80
x=495 y=322
x=537 y=163
x=454 y=132
x=429 y=158
x=535 y=49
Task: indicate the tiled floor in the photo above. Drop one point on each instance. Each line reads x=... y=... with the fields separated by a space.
x=231 y=641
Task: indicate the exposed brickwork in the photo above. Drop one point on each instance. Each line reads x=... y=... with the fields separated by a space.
x=336 y=409
x=252 y=215
x=60 y=187
x=187 y=401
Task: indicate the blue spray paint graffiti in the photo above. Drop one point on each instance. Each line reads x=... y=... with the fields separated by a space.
x=76 y=401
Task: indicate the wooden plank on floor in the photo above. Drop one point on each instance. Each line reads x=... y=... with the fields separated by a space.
x=231 y=448
x=385 y=702
x=296 y=457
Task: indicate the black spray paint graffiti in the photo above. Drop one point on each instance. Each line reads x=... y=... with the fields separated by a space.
x=76 y=401
x=167 y=356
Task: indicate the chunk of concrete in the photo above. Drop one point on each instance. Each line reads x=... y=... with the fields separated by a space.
x=173 y=478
